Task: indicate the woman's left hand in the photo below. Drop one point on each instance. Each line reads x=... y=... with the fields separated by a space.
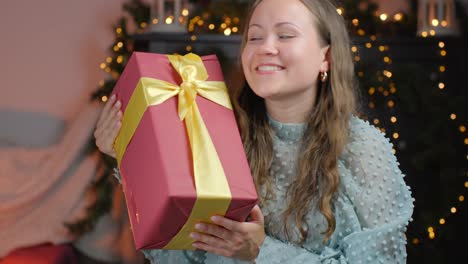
x=241 y=240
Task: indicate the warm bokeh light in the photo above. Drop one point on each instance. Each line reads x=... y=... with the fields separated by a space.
x=435 y=22
x=383 y=17
x=398 y=16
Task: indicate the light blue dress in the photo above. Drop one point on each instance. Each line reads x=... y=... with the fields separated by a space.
x=372 y=208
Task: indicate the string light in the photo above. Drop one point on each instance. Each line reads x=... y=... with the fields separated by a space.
x=383 y=17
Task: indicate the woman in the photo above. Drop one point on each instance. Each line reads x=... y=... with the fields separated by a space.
x=330 y=188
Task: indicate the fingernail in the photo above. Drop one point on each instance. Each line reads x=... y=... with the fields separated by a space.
x=117 y=104
x=119 y=113
x=112 y=97
x=199 y=226
x=214 y=218
x=193 y=235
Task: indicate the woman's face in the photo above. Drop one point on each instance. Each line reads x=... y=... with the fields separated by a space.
x=283 y=54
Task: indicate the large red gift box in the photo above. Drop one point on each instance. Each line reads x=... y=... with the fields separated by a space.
x=179 y=150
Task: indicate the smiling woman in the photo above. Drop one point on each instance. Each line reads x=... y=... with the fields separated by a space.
x=330 y=189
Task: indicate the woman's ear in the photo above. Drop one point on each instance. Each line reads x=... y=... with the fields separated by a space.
x=325 y=65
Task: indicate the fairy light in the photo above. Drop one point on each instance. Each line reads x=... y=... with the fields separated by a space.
x=432 y=32
x=435 y=22
x=442 y=68
x=340 y=11
x=104 y=99
x=169 y=20
x=444 y=23
x=441 y=44
x=354 y=49
x=185 y=12
x=398 y=17
x=442 y=221
x=441 y=85
x=119 y=59
x=383 y=17
x=355 y=22
x=453 y=116
x=118 y=31
x=102 y=66
x=155 y=21
x=461 y=198
x=424 y=34
x=462 y=129
x=227 y=31
x=453 y=210
x=393 y=119
x=211 y=26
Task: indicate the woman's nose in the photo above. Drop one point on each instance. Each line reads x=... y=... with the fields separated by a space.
x=268 y=47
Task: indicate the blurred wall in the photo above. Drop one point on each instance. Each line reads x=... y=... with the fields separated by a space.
x=51 y=51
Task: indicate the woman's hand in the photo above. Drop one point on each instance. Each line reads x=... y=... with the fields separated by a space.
x=241 y=240
x=108 y=126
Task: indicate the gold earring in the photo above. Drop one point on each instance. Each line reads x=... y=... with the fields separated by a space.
x=323 y=76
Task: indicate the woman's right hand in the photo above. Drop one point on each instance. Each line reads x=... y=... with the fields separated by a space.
x=108 y=126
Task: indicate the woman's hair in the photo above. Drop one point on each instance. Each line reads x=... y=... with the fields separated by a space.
x=326 y=134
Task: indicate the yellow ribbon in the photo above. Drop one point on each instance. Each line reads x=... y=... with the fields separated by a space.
x=213 y=193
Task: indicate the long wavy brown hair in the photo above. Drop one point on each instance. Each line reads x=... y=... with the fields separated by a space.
x=326 y=134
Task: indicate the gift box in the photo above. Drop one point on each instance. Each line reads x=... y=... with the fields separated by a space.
x=179 y=150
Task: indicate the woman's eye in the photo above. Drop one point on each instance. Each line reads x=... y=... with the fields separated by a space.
x=254 y=38
x=286 y=36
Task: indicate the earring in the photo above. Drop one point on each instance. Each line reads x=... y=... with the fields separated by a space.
x=323 y=76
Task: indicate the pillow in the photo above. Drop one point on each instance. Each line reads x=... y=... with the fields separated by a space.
x=29 y=129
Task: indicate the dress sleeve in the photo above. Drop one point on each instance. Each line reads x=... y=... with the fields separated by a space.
x=376 y=196
x=382 y=201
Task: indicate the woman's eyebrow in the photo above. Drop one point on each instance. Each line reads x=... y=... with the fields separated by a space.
x=279 y=24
